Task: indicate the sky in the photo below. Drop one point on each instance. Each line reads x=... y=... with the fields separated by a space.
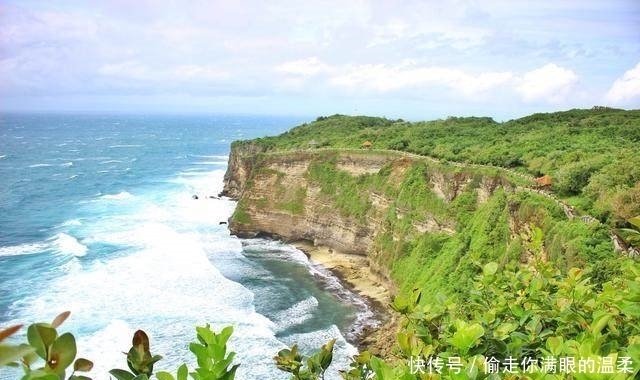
x=417 y=60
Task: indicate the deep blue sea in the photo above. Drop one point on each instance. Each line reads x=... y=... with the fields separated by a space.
x=97 y=216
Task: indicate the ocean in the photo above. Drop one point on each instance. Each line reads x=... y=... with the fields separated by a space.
x=98 y=217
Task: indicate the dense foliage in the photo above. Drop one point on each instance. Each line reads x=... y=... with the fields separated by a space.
x=532 y=323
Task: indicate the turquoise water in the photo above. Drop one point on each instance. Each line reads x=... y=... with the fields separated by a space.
x=97 y=217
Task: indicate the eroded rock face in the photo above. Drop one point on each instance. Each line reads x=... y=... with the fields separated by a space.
x=264 y=186
x=239 y=169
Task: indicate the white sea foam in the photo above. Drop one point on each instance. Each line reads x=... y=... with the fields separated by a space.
x=165 y=287
x=116 y=333
x=70 y=222
x=120 y=196
x=297 y=314
x=277 y=250
x=23 y=249
x=3 y=156
x=224 y=246
x=68 y=244
x=191 y=173
x=67 y=164
x=210 y=163
x=216 y=156
x=39 y=165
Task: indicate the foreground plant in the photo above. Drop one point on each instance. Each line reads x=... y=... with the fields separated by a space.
x=301 y=368
x=58 y=352
x=214 y=362
x=139 y=359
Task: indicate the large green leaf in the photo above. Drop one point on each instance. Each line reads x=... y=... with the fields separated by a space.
x=502 y=332
x=164 y=376
x=555 y=344
x=41 y=336
x=466 y=336
x=63 y=351
x=490 y=269
x=41 y=375
x=631 y=309
x=182 y=372
x=600 y=321
x=121 y=374
x=325 y=356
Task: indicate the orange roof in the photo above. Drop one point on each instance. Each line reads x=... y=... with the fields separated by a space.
x=545 y=180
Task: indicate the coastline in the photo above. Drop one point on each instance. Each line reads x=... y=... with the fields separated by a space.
x=353 y=271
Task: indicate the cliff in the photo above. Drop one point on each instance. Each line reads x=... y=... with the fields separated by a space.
x=419 y=222
x=277 y=199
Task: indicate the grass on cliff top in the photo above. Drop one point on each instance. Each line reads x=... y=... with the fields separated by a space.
x=591 y=155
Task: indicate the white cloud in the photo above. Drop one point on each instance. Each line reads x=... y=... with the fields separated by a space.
x=626 y=87
x=549 y=83
x=468 y=54
x=127 y=70
x=199 y=73
x=134 y=70
x=384 y=78
x=304 y=67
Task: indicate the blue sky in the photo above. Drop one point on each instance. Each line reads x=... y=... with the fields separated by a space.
x=403 y=59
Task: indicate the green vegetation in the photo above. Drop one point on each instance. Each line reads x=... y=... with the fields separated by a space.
x=44 y=343
x=534 y=315
x=313 y=368
x=139 y=359
x=340 y=188
x=214 y=362
x=445 y=218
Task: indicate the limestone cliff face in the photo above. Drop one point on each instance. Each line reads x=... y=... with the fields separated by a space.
x=277 y=199
x=280 y=196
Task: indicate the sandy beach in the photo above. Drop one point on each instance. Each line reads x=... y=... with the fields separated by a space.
x=352 y=269
x=354 y=272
